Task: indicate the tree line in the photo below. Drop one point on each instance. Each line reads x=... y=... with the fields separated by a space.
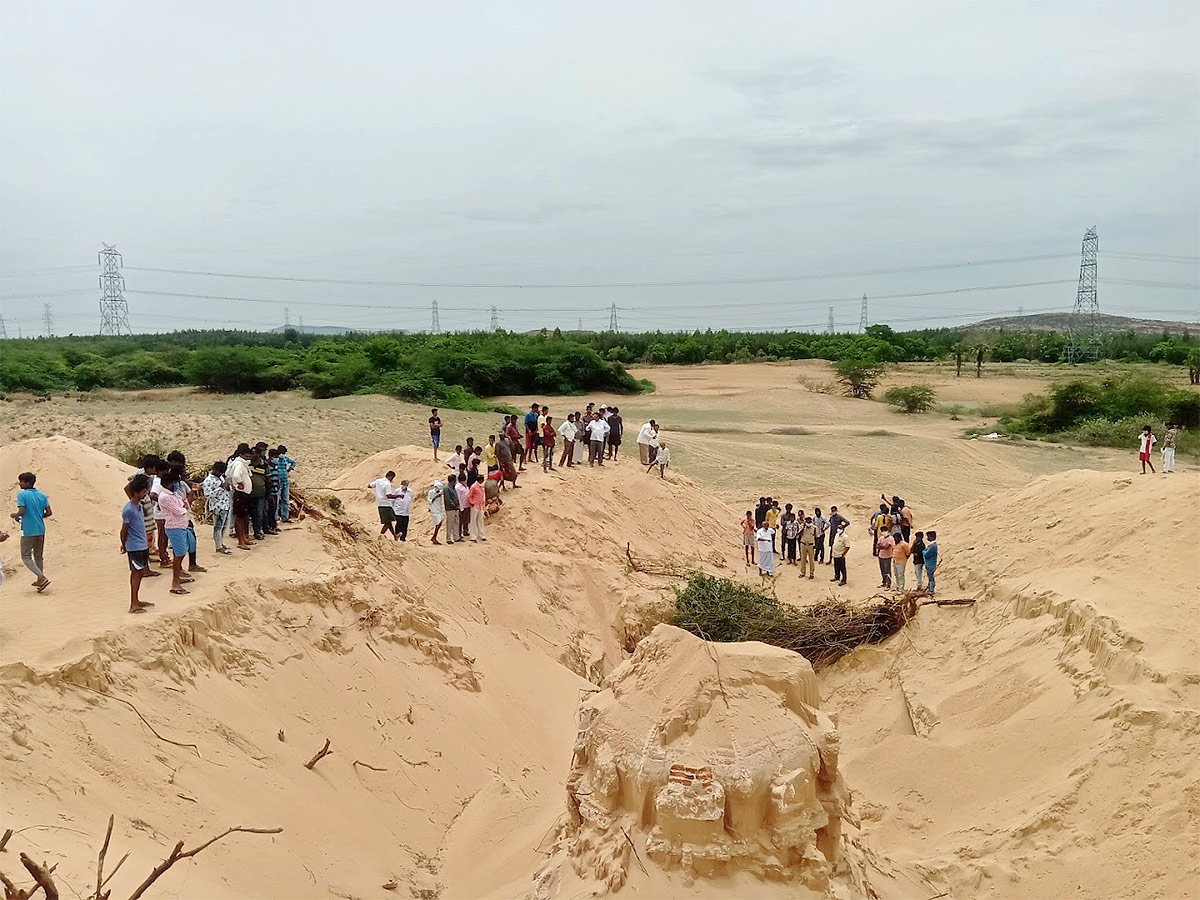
x=457 y=370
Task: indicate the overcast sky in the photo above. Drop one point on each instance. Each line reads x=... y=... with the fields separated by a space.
x=597 y=143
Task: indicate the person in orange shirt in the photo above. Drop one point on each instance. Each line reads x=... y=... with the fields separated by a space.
x=476 y=500
x=900 y=554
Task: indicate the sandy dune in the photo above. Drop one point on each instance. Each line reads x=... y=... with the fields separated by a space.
x=1039 y=744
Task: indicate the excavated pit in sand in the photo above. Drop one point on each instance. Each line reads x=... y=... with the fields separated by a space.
x=1040 y=744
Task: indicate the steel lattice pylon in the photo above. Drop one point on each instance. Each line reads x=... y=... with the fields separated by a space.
x=862 y=319
x=114 y=310
x=1083 y=332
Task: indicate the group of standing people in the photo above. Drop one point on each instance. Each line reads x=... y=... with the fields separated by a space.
x=249 y=492
x=807 y=540
x=1146 y=442
x=479 y=472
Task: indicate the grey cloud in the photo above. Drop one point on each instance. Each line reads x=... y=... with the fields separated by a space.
x=1051 y=134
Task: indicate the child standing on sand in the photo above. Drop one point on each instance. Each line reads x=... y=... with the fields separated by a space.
x=748 y=530
x=1146 y=443
x=662 y=461
x=134 y=542
x=180 y=538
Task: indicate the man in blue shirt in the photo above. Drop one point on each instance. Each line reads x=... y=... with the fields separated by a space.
x=134 y=543
x=284 y=465
x=931 y=557
x=33 y=508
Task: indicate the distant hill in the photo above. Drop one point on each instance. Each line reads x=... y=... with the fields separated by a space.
x=1060 y=322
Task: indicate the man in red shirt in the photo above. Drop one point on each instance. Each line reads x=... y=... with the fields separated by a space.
x=548 y=444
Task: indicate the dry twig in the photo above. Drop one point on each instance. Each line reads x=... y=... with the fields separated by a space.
x=140 y=716
x=635 y=852
x=368 y=766
x=321 y=754
x=179 y=853
x=8 y=833
x=100 y=861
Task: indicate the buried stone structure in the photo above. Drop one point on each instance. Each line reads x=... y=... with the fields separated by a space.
x=715 y=758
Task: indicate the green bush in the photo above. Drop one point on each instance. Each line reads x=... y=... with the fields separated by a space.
x=1183 y=408
x=132 y=450
x=859 y=376
x=918 y=398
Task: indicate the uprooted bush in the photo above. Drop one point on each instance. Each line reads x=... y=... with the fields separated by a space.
x=917 y=398
x=717 y=609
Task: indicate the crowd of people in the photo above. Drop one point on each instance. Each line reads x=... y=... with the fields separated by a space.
x=479 y=472
x=246 y=496
x=807 y=540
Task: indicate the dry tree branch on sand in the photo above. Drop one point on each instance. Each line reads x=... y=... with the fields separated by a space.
x=717 y=609
x=321 y=754
x=179 y=853
x=44 y=882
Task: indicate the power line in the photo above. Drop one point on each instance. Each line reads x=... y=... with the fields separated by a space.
x=770 y=279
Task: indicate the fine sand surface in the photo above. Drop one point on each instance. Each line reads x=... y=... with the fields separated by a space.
x=1041 y=743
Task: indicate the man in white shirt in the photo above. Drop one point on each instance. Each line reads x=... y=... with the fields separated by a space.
x=455 y=459
x=567 y=430
x=645 y=433
x=383 y=503
x=402 y=508
x=765 y=538
x=597 y=430
x=238 y=473
x=662 y=461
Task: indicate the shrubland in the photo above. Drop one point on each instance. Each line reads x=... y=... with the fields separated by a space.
x=1108 y=413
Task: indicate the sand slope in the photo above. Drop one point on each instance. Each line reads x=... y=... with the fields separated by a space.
x=1042 y=743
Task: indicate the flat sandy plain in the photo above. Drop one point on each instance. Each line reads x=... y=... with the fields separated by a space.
x=1041 y=743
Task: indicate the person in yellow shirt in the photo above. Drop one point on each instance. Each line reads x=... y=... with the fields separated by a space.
x=489 y=454
x=772 y=518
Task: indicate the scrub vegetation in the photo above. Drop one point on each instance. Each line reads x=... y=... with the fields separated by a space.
x=1109 y=413
x=458 y=370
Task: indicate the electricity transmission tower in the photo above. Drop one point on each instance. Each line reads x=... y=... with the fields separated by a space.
x=3 y=330
x=435 y=326
x=1083 y=331
x=287 y=317
x=829 y=327
x=612 y=317
x=495 y=318
x=48 y=319
x=862 y=319
x=114 y=310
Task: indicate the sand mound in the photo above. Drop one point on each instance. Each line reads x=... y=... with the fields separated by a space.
x=80 y=481
x=665 y=753
x=1043 y=742
x=1109 y=555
